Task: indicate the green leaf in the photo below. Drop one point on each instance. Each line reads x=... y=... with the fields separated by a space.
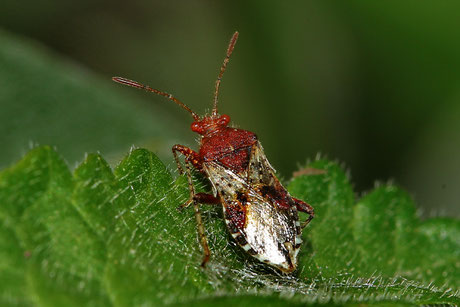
x=103 y=237
x=65 y=259
x=13 y=290
x=40 y=87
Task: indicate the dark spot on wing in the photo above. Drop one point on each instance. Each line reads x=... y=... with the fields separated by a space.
x=242 y=198
x=277 y=195
x=241 y=240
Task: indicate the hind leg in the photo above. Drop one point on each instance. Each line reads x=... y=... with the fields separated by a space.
x=304 y=207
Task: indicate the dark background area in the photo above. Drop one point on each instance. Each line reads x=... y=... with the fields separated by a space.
x=373 y=84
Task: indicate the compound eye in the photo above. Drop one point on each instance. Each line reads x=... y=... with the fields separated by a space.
x=196 y=127
x=224 y=120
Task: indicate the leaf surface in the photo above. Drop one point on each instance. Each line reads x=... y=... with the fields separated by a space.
x=115 y=237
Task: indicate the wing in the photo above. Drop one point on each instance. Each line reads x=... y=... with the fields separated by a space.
x=261 y=227
x=259 y=169
x=261 y=176
x=271 y=232
x=232 y=190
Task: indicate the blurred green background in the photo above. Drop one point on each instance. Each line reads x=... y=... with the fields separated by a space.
x=374 y=84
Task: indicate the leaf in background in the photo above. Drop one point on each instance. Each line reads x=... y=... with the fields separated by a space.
x=49 y=100
x=115 y=238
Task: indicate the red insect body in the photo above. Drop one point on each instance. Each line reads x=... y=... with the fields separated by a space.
x=259 y=212
x=231 y=147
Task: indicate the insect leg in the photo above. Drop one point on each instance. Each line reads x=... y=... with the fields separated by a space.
x=191 y=159
x=304 y=207
x=199 y=221
x=190 y=155
x=202 y=198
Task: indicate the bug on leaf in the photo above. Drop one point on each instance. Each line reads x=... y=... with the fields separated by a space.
x=259 y=212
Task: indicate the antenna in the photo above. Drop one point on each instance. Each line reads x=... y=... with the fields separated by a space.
x=138 y=85
x=231 y=45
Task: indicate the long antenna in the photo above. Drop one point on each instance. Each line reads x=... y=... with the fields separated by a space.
x=231 y=45
x=138 y=85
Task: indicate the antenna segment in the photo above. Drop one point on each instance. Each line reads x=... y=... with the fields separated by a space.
x=230 y=48
x=138 y=85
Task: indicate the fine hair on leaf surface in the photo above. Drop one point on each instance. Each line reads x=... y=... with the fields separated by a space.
x=102 y=236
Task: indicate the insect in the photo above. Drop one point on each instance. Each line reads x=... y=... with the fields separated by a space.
x=259 y=212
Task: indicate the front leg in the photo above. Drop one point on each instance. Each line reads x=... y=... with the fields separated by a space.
x=192 y=159
x=190 y=155
x=304 y=207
